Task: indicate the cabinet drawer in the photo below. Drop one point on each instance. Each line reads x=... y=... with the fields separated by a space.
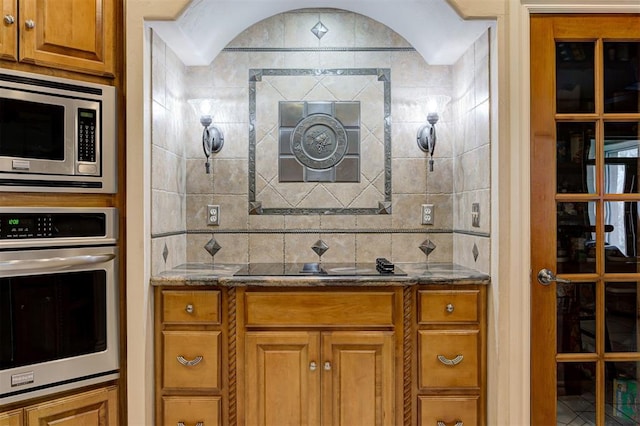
x=448 y=410
x=191 y=410
x=448 y=358
x=191 y=306
x=191 y=359
x=447 y=306
x=11 y=418
x=318 y=309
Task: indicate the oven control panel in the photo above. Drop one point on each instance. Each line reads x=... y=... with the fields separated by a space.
x=24 y=225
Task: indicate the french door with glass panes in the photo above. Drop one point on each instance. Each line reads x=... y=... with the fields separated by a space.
x=585 y=199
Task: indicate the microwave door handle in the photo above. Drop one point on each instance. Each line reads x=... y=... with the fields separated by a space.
x=53 y=263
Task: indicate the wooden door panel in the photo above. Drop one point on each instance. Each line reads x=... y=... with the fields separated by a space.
x=11 y=418
x=9 y=30
x=565 y=48
x=72 y=34
x=97 y=408
x=358 y=378
x=282 y=378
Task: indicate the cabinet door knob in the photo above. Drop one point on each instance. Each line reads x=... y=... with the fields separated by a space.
x=189 y=362
x=30 y=24
x=458 y=423
x=450 y=307
x=189 y=308
x=9 y=19
x=446 y=361
x=313 y=366
x=327 y=366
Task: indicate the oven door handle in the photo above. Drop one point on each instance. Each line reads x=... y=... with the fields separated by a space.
x=54 y=263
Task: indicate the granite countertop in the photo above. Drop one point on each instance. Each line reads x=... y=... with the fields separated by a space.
x=289 y=275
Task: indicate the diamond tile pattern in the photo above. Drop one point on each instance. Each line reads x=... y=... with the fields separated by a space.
x=319 y=30
x=320 y=87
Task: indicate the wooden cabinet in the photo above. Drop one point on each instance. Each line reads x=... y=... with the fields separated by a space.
x=75 y=35
x=451 y=355
x=301 y=367
x=189 y=357
x=11 y=418
x=252 y=356
x=301 y=377
x=97 y=407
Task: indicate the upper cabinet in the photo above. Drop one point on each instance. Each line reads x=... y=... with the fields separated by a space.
x=75 y=35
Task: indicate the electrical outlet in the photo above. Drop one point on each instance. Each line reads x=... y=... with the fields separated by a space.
x=427 y=214
x=213 y=215
x=475 y=215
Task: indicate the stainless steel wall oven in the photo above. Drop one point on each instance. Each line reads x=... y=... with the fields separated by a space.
x=58 y=300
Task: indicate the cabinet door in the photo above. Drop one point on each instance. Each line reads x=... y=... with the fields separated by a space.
x=98 y=408
x=9 y=30
x=11 y=418
x=76 y=35
x=282 y=378
x=358 y=377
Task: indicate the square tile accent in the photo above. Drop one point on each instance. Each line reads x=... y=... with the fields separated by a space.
x=319 y=141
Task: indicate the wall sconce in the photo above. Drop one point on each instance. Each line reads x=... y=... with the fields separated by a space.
x=427 y=133
x=212 y=137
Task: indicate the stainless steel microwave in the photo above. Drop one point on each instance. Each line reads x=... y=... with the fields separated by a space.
x=56 y=134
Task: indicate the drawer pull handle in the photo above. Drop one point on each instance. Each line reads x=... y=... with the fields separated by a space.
x=458 y=423
x=189 y=308
x=197 y=424
x=189 y=362
x=446 y=361
x=450 y=308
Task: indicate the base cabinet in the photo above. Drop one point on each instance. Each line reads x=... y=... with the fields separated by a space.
x=97 y=407
x=315 y=378
x=451 y=355
x=381 y=356
x=190 y=361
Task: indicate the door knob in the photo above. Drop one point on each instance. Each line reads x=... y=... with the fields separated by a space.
x=546 y=277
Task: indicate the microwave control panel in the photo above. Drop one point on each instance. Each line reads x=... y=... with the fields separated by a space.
x=15 y=226
x=87 y=135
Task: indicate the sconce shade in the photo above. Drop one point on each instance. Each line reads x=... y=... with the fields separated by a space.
x=212 y=137
x=437 y=103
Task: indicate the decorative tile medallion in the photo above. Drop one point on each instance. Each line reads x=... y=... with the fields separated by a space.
x=319 y=135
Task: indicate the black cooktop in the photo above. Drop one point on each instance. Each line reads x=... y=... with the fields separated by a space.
x=315 y=269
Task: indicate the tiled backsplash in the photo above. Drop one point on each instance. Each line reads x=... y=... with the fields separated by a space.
x=181 y=189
